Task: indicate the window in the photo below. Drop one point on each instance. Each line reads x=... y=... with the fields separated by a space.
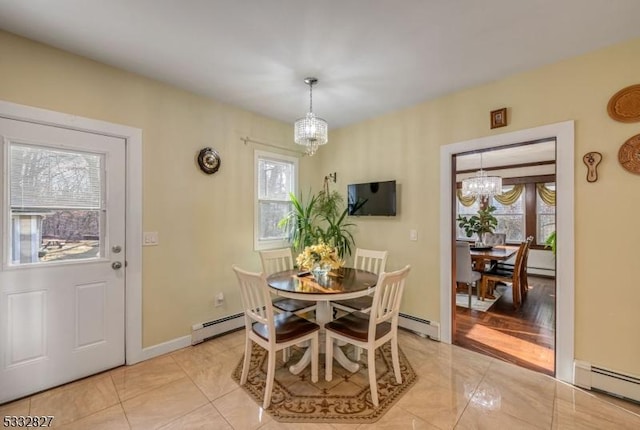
x=56 y=198
x=511 y=217
x=466 y=211
x=525 y=208
x=276 y=177
x=545 y=211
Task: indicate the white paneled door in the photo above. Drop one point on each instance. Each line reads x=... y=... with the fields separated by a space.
x=62 y=278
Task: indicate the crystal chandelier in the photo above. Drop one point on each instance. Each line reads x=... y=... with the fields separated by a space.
x=311 y=131
x=482 y=184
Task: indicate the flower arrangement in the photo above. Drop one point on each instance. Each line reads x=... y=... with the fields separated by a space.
x=321 y=255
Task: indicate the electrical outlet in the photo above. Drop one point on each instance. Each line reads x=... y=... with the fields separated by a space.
x=219 y=299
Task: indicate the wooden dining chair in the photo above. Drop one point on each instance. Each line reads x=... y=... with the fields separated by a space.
x=371 y=261
x=372 y=330
x=513 y=277
x=524 y=276
x=272 y=332
x=278 y=260
x=507 y=271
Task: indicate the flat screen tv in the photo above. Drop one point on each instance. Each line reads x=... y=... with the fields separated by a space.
x=372 y=198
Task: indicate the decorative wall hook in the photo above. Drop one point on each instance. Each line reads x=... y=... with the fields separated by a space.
x=591 y=160
x=333 y=176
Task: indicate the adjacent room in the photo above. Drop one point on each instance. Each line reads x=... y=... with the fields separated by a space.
x=293 y=214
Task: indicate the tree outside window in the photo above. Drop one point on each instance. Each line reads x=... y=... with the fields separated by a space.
x=276 y=177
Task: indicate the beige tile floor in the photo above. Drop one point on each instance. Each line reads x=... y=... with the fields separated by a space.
x=192 y=389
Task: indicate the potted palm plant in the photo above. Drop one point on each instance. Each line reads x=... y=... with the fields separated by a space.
x=322 y=219
x=483 y=222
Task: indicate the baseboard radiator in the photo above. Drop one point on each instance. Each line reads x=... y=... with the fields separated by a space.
x=210 y=329
x=600 y=379
x=420 y=326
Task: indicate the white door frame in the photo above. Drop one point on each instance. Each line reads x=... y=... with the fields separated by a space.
x=565 y=265
x=133 y=202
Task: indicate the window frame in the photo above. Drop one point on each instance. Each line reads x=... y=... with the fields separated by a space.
x=524 y=214
x=259 y=245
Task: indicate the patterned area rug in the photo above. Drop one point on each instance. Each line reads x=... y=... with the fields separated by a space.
x=346 y=399
x=462 y=300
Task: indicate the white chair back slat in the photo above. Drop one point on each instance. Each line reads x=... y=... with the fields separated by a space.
x=370 y=260
x=276 y=260
x=387 y=298
x=256 y=300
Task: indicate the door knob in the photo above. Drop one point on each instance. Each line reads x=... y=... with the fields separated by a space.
x=116 y=265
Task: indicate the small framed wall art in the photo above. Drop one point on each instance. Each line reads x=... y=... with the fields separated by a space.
x=498 y=118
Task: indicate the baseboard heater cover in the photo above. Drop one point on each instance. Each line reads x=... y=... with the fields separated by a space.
x=210 y=329
x=420 y=326
x=608 y=381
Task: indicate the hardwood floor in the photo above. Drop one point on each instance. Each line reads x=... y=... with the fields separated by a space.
x=525 y=336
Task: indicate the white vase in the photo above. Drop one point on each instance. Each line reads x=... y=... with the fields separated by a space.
x=320 y=270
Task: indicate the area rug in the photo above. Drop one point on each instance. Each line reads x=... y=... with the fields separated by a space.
x=462 y=300
x=346 y=399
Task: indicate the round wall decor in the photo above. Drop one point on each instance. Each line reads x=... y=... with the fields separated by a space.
x=629 y=154
x=624 y=106
x=209 y=160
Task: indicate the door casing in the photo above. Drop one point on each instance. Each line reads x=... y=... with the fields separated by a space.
x=565 y=261
x=133 y=203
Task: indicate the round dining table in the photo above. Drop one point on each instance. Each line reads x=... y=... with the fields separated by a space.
x=339 y=284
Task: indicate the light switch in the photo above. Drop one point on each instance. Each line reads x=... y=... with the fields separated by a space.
x=150 y=238
x=413 y=234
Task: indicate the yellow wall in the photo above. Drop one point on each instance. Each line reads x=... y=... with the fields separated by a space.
x=205 y=223
x=405 y=145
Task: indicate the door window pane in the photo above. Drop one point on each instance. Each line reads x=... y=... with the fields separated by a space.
x=56 y=207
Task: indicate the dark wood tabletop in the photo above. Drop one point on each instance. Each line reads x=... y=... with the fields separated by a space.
x=339 y=282
x=498 y=252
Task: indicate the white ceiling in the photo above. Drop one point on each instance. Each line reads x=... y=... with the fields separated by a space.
x=370 y=56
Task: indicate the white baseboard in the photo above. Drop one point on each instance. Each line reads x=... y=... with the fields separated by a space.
x=204 y=331
x=421 y=326
x=601 y=379
x=165 y=347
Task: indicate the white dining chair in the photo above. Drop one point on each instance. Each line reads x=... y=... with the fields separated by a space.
x=493 y=239
x=372 y=330
x=273 y=332
x=464 y=272
x=371 y=261
x=278 y=260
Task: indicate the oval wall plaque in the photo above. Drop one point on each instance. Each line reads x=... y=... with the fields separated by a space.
x=629 y=154
x=624 y=106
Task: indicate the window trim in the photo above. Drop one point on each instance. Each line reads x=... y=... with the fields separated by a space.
x=259 y=245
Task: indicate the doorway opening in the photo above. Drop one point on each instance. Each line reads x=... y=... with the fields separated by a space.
x=565 y=252
x=515 y=321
